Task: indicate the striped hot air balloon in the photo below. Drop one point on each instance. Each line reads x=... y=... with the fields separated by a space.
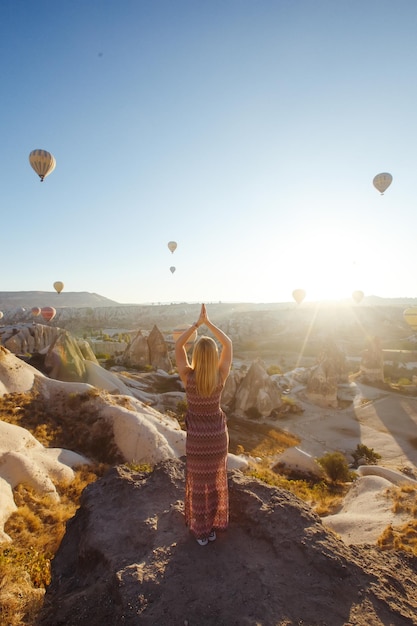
x=48 y=313
x=43 y=162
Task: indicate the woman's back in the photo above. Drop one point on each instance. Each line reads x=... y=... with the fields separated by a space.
x=199 y=405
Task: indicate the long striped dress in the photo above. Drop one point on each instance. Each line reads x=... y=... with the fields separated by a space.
x=206 y=491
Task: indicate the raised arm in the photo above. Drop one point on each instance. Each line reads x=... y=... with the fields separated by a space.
x=181 y=358
x=226 y=355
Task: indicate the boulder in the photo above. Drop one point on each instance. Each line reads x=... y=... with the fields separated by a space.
x=299 y=462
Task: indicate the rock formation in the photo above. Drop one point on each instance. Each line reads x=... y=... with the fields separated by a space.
x=28 y=338
x=64 y=359
x=25 y=460
x=231 y=386
x=137 y=352
x=257 y=395
x=158 y=351
x=53 y=350
x=147 y=351
x=326 y=375
x=127 y=558
x=372 y=364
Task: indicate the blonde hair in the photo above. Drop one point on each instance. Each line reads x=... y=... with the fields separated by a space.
x=205 y=363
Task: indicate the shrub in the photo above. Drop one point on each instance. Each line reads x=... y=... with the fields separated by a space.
x=274 y=369
x=404 y=381
x=335 y=466
x=365 y=455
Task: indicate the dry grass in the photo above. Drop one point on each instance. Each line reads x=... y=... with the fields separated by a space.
x=402 y=537
x=36 y=530
x=73 y=423
x=325 y=499
x=258 y=439
x=38 y=525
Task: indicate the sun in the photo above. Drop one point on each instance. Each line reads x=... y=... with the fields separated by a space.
x=326 y=268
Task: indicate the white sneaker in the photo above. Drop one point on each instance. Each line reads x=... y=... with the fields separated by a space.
x=203 y=542
x=212 y=536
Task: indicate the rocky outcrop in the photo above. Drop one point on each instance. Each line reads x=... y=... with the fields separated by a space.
x=231 y=386
x=28 y=338
x=372 y=364
x=137 y=352
x=324 y=378
x=322 y=384
x=257 y=395
x=25 y=460
x=53 y=350
x=127 y=558
x=158 y=351
x=65 y=361
x=147 y=351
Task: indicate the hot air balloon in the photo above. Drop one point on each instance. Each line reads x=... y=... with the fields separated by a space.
x=42 y=162
x=58 y=286
x=36 y=310
x=382 y=181
x=1 y=315
x=358 y=296
x=410 y=316
x=172 y=245
x=48 y=313
x=172 y=269
x=177 y=332
x=298 y=295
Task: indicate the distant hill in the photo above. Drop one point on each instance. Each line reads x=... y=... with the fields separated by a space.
x=74 y=299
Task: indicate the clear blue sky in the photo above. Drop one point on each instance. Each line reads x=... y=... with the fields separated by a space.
x=249 y=131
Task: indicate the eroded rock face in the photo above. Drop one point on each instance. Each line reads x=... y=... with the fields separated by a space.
x=324 y=378
x=127 y=558
x=28 y=338
x=158 y=351
x=372 y=364
x=322 y=384
x=53 y=351
x=147 y=351
x=64 y=359
x=257 y=392
x=137 y=352
x=230 y=388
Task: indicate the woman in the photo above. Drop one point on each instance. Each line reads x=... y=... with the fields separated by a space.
x=206 y=492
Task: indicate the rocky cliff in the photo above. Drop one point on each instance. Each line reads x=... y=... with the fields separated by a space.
x=127 y=558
